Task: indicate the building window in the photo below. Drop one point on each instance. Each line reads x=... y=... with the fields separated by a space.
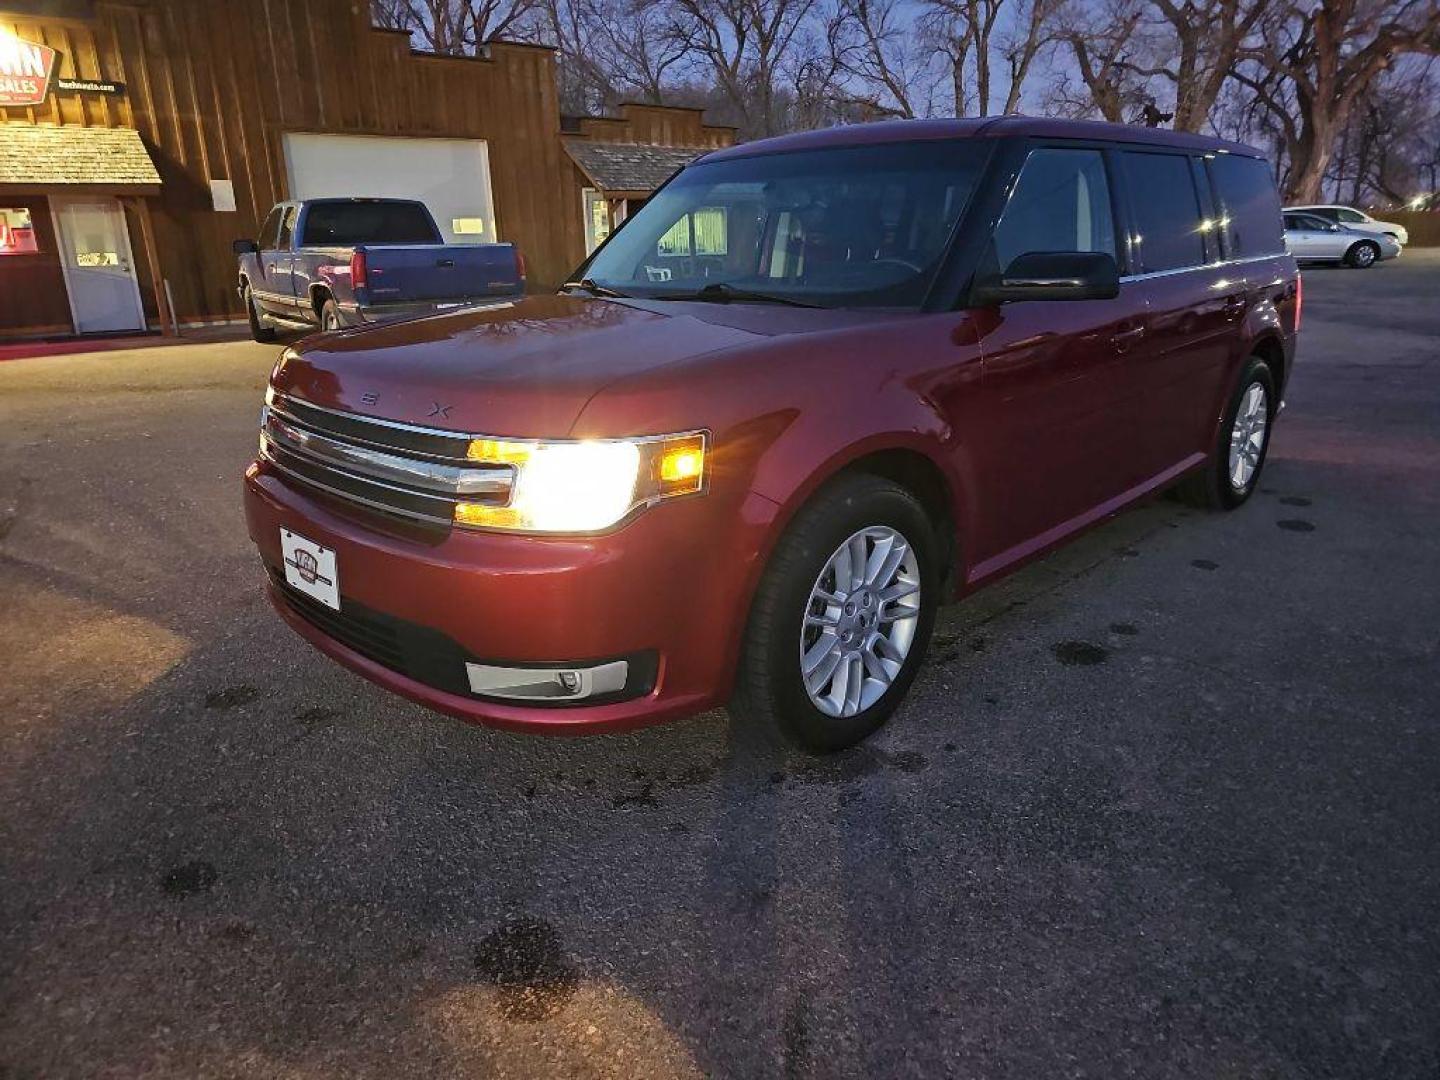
x=17 y=232
x=597 y=219
x=703 y=232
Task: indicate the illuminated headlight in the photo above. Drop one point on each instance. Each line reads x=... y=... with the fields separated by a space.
x=584 y=487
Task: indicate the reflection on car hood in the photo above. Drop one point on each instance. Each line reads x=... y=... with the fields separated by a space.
x=521 y=369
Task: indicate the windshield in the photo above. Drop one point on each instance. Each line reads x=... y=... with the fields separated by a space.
x=854 y=227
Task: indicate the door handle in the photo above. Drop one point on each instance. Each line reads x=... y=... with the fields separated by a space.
x=445 y=262
x=1121 y=340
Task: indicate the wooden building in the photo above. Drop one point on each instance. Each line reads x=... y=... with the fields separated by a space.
x=138 y=138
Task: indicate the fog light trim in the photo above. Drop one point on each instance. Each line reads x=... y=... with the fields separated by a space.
x=548 y=684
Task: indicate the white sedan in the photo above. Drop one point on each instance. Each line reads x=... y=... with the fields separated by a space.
x=1355 y=220
x=1310 y=238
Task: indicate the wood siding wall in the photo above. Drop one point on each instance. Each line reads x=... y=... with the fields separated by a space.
x=212 y=87
x=32 y=287
x=656 y=124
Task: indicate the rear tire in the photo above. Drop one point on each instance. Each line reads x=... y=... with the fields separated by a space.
x=786 y=619
x=258 y=330
x=1363 y=255
x=1228 y=480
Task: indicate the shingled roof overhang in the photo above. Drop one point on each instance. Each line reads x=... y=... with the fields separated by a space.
x=79 y=159
x=629 y=170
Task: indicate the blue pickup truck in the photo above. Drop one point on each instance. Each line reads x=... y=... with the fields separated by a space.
x=336 y=263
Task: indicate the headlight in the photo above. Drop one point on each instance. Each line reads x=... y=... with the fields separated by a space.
x=582 y=487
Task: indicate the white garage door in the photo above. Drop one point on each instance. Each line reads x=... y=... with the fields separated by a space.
x=450 y=176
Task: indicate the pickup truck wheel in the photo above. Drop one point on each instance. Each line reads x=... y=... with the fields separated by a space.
x=258 y=330
x=330 y=315
x=1233 y=471
x=842 y=616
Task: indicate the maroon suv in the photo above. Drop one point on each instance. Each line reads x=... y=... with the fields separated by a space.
x=818 y=386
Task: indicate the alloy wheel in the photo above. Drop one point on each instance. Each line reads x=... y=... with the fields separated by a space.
x=1247 y=436
x=860 y=621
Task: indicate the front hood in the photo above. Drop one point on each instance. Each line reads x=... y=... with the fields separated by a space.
x=519 y=370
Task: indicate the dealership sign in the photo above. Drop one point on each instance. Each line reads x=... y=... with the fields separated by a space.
x=25 y=70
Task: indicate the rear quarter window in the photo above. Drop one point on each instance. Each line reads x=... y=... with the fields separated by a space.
x=1249 y=206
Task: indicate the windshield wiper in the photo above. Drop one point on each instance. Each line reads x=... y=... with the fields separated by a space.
x=594 y=288
x=720 y=292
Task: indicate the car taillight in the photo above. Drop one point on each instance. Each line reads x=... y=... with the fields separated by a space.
x=1299 y=298
x=520 y=263
x=358 y=270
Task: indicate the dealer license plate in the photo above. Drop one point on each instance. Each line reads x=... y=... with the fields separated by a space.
x=310 y=568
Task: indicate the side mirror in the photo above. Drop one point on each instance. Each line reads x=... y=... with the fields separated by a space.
x=245 y=247
x=1051 y=275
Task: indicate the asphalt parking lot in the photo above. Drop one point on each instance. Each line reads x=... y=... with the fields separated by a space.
x=1166 y=804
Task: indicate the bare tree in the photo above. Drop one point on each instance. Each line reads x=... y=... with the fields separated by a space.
x=1036 y=31
x=1382 y=151
x=613 y=51
x=948 y=35
x=878 y=49
x=747 y=47
x=1314 y=63
x=1103 y=57
x=1198 y=48
x=457 y=26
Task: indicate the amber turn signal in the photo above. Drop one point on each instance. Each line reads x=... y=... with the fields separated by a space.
x=682 y=465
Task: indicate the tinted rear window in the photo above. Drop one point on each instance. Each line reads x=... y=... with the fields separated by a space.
x=1249 y=205
x=1167 y=210
x=344 y=224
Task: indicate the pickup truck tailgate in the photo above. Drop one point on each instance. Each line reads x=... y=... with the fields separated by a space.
x=402 y=274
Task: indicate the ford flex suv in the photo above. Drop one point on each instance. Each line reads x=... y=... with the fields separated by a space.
x=818 y=386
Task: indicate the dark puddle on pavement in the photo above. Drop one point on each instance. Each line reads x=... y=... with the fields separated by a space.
x=523 y=960
x=945 y=648
x=188 y=879
x=1124 y=629
x=1204 y=564
x=231 y=697
x=1295 y=500
x=1080 y=653
x=1296 y=525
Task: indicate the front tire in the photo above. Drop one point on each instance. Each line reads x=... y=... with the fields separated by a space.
x=1363 y=255
x=842 y=616
x=258 y=330
x=1238 y=456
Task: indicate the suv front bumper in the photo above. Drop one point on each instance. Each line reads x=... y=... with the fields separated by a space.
x=666 y=593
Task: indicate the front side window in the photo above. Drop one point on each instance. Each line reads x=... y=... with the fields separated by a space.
x=270 y=229
x=1169 y=228
x=287 y=227
x=1351 y=217
x=1061 y=202
x=854 y=227
x=1249 y=206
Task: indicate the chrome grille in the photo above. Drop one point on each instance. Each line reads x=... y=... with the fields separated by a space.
x=415 y=472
